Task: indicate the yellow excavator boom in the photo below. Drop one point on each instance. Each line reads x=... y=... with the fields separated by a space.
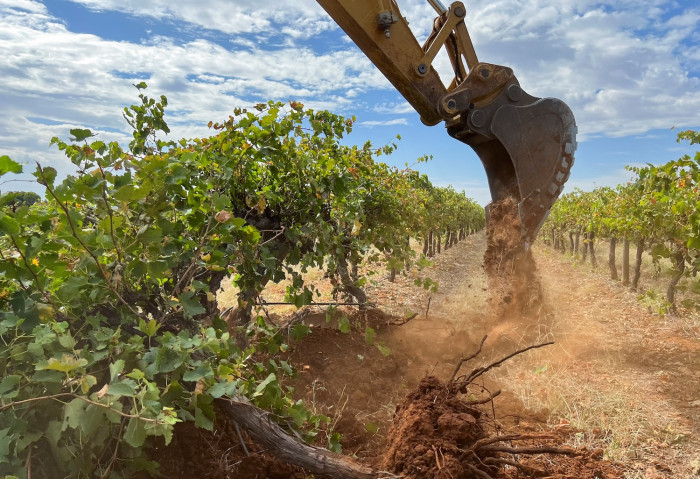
x=526 y=144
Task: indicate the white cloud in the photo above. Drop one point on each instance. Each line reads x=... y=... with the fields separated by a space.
x=610 y=178
x=373 y=123
x=397 y=108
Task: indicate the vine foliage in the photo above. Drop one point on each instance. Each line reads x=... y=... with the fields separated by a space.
x=659 y=210
x=111 y=332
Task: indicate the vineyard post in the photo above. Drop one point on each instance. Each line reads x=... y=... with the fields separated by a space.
x=407 y=262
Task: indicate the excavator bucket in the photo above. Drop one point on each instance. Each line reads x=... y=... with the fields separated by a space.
x=526 y=145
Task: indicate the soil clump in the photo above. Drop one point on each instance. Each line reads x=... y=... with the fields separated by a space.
x=438 y=433
x=431 y=432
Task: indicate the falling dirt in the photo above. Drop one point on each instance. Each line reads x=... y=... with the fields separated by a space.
x=513 y=282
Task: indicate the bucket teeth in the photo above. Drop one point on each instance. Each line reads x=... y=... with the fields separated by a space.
x=527 y=149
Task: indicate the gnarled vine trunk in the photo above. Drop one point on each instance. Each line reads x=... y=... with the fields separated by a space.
x=611 y=258
x=572 y=244
x=679 y=261
x=591 y=247
x=626 y=261
x=288 y=448
x=350 y=286
x=638 y=263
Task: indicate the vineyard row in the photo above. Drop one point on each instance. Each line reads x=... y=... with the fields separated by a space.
x=108 y=287
x=658 y=211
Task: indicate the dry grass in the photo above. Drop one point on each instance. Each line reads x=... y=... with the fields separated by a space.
x=617 y=416
x=275 y=292
x=375 y=272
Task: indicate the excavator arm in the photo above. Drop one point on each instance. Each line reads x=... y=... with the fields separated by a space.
x=526 y=144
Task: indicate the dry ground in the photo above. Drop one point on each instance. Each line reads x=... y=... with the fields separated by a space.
x=618 y=377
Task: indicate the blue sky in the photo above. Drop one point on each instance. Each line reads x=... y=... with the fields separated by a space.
x=630 y=71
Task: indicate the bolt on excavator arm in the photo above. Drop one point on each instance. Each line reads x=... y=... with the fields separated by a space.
x=526 y=144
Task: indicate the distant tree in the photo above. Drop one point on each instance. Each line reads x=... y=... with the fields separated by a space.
x=15 y=199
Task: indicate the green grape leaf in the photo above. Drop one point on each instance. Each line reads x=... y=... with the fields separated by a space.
x=168 y=360
x=223 y=388
x=126 y=387
x=8 y=225
x=344 y=324
x=260 y=390
x=198 y=373
x=8 y=165
x=5 y=442
x=135 y=434
x=369 y=336
x=300 y=330
x=383 y=349
x=190 y=304
x=80 y=134
x=8 y=386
